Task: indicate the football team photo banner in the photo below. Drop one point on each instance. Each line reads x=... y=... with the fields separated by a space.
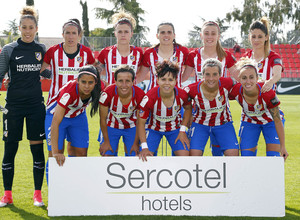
x=196 y=186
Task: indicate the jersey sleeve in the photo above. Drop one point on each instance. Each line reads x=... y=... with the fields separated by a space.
x=185 y=52
x=102 y=55
x=146 y=58
x=90 y=56
x=105 y=97
x=4 y=63
x=190 y=59
x=230 y=60
x=140 y=50
x=145 y=106
x=276 y=60
x=139 y=95
x=271 y=99
x=185 y=97
x=48 y=55
x=227 y=82
x=234 y=91
x=65 y=96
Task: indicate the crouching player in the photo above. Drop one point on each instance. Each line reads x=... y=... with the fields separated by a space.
x=163 y=104
x=261 y=113
x=118 y=113
x=65 y=118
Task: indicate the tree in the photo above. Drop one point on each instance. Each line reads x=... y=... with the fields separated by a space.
x=30 y=2
x=85 y=18
x=280 y=14
x=131 y=6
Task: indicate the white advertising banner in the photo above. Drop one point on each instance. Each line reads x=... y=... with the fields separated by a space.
x=197 y=186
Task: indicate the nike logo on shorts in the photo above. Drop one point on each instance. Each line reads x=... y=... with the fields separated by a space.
x=41 y=135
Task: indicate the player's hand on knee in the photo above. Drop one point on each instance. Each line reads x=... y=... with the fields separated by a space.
x=104 y=148
x=184 y=140
x=144 y=153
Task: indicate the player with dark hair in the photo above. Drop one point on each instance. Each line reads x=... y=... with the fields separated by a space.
x=66 y=117
x=163 y=104
x=261 y=113
x=212 y=116
x=167 y=49
x=269 y=63
x=118 y=113
x=22 y=60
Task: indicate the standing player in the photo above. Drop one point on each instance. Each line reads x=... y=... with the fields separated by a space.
x=212 y=114
x=269 y=66
x=210 y=35
x=66 y=59
x=261 y=113
x=112 y=57
x=23 y=60
x=66 y=117
x=118 y=113
x=167 y=49
x=163 y=104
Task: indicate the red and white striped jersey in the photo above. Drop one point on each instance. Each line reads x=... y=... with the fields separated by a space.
x=121 y=116
x=112 y=59
x=151 y=57
x=215 y=112
x=162 y=118
x=68 y=97
x=196 y=61
x=65 y=69
x=265 y=66
x=259 y=112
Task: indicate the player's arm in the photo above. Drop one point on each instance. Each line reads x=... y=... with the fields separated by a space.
x=274 y=79
x=187 y=115
x=280 y=130
x=142 y=136
x=135 y=147
x=57 y=118
x=105 y=146
x=141 y=74
x=234 y=72
x=188 y=70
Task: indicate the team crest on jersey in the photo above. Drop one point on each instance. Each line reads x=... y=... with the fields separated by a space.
x=175 y=59
x=144 y=101
x=132 y=58
x=79 y=59
x=38 y=56
x=176 y=108
x=258 y=107
x=142 y=113
x=221 y=98
x=260 y=66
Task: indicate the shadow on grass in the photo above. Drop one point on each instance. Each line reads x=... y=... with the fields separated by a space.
x=292 y=210
x=24 y=214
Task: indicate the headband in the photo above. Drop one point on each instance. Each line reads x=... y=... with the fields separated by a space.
x=124 y=21
x=71 y=22
x=249 y=65
x=89 y=73
x=212 y=23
